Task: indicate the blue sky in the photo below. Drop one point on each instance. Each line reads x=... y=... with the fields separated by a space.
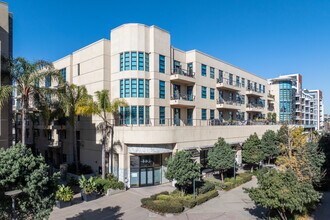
x=266 y=37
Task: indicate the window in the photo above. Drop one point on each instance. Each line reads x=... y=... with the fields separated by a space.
x=230 y=79
x=121 y=62
x=263 y=89
x=190 y=68
x=249 y=84
x=161 y=63
x=48 y=81
x=121 y=88
x=260 y=88
x=203 y=114
x=127 y=61
x=237 y=80
x=141 y=114
x=211 y=94
x=211 y=72
x=204 y=70
x=161 y=115
x=127 y=115
x=141 y=61
x=243 y=82
x=242 y=116
x=63 y=73
x=121 y=114
x=78 y=67
x=147 y=88
x=161 y=89
x=211 y=114
x=133 y=88
x=243 y=99
x=203 y=92
x=147 y=114
x=134 y=115
x=147 y=61
x=220 y=76
x=141 y=88
x=133 y=61
x=255 y=87
x=127 y=88
x=176 y=66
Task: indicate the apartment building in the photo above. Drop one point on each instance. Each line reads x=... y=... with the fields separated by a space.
x=296 y=105
x=6 y=51
x=177 y=100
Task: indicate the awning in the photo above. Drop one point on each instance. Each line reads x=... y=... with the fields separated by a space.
x=150 y=149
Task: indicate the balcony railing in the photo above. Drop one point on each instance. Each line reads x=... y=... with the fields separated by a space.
x=228 y=102
x=258 y=106
x=228 y=82
x=188 y=73
x=185 y=97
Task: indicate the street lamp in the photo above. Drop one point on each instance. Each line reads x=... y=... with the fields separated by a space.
x=13 y=194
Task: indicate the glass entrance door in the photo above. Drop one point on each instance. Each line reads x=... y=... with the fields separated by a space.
x=147 y=176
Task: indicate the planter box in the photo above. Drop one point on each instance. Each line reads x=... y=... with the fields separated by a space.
x=62 y=204
x=111 y=192
x=88 y=197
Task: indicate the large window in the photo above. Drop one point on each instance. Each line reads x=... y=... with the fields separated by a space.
x=161 y=115
x=203 y=92
x=121 y=62
x=133 y=61
x=127 y=60
x=161 y=89
x=134 y=115
x=211 y=94
x=263 y=89
x=63 y=73
x=230 y=79
x=122 y=88
x=243 y=82
x=203 y=114
x=141 y=88
x=48 y=81
x=141 y=114
x=133 y=87
x=203 y=70
x=211 y=114
x=211 y=72
x=237 y=80
x=127 y=88
x=147 y=61
x=220 y=76
x=161 y=63
x=141 y=61
x=127 y=115
x=147 y=88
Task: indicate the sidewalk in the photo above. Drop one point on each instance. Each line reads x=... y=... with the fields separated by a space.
x=234 y=204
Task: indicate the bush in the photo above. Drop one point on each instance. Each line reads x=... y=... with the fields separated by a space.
x=153 y=197
x=164 y=197
x=207 y=196
x=208 y=186
x=162 y=206
x=102 y=185
x=64 y=193
x=188 y=202
x=83 y=169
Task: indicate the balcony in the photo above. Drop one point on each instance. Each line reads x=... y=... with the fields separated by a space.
x=224 y=104
x=179 y=75
x=182 y=100
x=253 y=92
x=54 y=143
x=254 y=108
x=226 y=84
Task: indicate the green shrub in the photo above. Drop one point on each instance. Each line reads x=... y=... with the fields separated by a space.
x=162 y=206
x=188 y=202
x=64 y=193
x=103 y=185
x=153 y=197
x=146 y=201
x=208 y=186
x=207 y=196
x=164 y=197
x=87 y=185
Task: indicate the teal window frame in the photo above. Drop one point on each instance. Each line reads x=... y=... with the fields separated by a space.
x=211 y=114
x=63 y=73
x=127 y=115
x=141 y=61
x=203 y=70
x=141 y=114
x=146 y=61
x=161 y=63
x=204 y=114
x=162 y=92
x=133 y=115
x=212 y=72
x=127 y=88
x=141 y=88
x=133 y=60
x=147 y=88
x=243 y=82
x=127 y=60
x=147 y=115
x=204 y=92
x=161 y=115
x=133 y=88
x=121 y=61
x=212 y=94
x=121 y=86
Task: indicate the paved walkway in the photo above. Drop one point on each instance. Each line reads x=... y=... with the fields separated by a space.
x=322 y=212
x=234 y=204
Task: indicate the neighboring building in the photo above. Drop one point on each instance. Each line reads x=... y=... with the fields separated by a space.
x=177 y=101
x=6 y=51
x=296 y=105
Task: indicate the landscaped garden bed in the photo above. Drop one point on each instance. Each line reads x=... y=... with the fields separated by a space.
x=230 y=183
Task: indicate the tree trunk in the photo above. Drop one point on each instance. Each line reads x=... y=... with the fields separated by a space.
x=221 y=176
x=251 y=168
x=268 y=160
x=24 y=108
x=103 y=153
x=111 y=148
x=75 y=150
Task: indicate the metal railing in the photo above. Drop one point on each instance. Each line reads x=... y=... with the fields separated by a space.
x=228 y=102
x=228 y=82
x=259 y=106
x=186 y=97
x=188 y=73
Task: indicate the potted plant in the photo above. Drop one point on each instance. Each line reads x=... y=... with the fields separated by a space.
x=64 y=196
x=88 y=188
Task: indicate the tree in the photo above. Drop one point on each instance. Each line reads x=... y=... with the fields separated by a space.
x=283 y=193
x=221 y=157
x=103 y=108
x=26 y=77
x=282 y=134
x=74 y=100
x=183 y=169
x=269 y=145
x=251 y=152
x=20 y=169
x=274 y=116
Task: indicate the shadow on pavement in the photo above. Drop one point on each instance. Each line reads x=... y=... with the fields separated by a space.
x=258 y=212
x=112 y=213
x=322 y=212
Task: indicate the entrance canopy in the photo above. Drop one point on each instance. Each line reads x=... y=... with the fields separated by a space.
x=150 y=149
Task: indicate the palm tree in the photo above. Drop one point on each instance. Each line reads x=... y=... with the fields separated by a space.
x=26 y=77
x=104 y=108
x=74 y=101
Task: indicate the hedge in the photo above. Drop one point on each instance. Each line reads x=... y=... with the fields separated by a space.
x=163 y=206
x=207 y=196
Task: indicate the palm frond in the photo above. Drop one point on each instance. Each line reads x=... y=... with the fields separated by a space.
x=5 y=94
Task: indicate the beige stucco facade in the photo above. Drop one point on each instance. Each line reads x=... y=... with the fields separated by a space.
x=169 y=93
